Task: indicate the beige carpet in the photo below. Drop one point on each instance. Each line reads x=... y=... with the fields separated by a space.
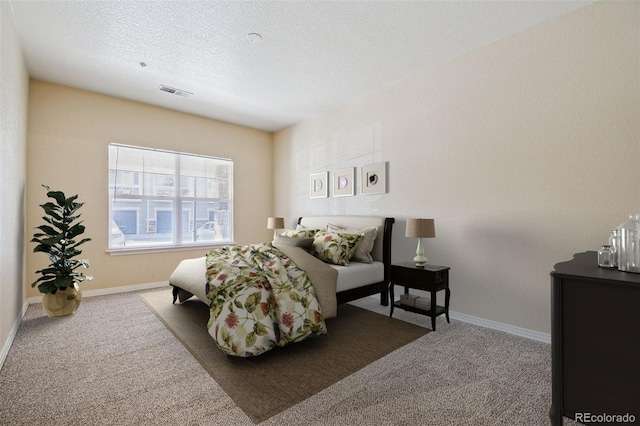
x=270 y=383
x=115 y=363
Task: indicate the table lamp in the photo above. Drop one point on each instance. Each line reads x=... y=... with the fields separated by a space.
x=275 y=223
x=420 y=228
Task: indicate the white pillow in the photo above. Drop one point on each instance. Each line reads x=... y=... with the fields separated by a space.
x=363 y=251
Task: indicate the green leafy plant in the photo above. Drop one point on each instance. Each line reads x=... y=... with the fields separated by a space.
x=58 y=241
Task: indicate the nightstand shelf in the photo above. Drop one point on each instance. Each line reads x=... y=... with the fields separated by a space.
x=429 y=278
x=439 y=309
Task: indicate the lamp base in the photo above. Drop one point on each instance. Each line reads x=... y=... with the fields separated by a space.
x=420 y=261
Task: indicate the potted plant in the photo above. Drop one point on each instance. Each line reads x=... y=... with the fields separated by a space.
x=58 y=239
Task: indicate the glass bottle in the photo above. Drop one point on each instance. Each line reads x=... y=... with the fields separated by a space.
x=614 y=242
x=629 y=250
x=605 y=257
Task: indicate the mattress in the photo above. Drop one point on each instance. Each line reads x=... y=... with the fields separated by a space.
x=190 y=275
x=358 y=274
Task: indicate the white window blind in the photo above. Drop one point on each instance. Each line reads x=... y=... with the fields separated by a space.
x=160 y=199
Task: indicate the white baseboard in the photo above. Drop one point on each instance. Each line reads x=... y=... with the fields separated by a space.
x=12 y=335
x=511 y=329
x=111 y=290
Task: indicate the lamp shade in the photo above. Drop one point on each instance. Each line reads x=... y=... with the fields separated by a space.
x=420 y=228
x=275 y=223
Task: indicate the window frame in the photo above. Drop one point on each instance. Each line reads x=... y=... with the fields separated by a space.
x=177 y=205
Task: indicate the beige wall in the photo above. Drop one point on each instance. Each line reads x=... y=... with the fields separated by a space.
x=68 y=135
x=525 y=152
x=14 y=87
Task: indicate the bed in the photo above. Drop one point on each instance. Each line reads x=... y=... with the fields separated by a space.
x=298 y=263
x=356 y=280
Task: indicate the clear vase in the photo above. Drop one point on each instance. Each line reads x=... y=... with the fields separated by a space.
x=614 y=243
x=605 y=257
x=629 y=250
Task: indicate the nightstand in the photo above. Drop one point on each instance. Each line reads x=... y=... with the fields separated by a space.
x=429 y=278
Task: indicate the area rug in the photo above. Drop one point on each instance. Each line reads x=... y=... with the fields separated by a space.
x=267 y=384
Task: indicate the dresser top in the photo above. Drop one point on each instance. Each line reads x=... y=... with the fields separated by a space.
x=585 y=265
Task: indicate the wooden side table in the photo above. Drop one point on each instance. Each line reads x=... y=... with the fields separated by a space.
x=428 y=278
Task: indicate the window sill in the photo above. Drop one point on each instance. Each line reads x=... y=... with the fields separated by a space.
x=164 y=249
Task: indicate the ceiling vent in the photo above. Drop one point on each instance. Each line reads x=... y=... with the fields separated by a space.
x=175 y=91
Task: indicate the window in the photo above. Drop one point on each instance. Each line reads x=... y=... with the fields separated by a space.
x=161 y=199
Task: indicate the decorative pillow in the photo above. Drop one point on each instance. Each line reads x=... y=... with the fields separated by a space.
x=363 y=252
x=281 y=240
x=335 y=247
x=300 y=232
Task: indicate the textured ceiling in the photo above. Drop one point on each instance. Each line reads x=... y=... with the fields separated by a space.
x=313 y=56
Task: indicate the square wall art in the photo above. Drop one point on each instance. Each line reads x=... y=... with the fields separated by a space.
x=319 y=185
x=374 y=178
x=343 y=182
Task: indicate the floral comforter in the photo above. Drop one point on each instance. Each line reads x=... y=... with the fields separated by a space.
x=259 y=299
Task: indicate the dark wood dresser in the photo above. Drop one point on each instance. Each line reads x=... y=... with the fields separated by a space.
x=595 y=343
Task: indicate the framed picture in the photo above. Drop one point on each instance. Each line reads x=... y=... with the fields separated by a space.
x=343 y=182
x=319 y=185
x=374 y=178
